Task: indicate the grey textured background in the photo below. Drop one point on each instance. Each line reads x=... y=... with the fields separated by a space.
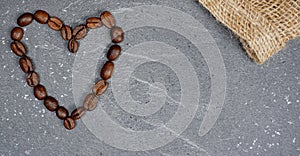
x=260 y=115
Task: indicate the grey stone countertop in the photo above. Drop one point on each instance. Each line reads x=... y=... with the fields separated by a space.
x=182 y=86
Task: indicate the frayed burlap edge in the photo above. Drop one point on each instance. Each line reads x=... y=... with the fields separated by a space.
x=260 y=35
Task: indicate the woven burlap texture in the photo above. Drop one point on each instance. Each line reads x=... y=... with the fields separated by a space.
x=263 y=26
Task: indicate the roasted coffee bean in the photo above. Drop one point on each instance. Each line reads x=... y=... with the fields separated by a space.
x=69 y=123
x=107 y=19
x=17 y=34
x=93 y=22
x=107 y=70
x=41 y=16
x=18 y=48
x=51 y=103
x=117 y=34
x=114 y=52
x=40 y=92
x=100 y=87
x=62 y=112
x=79 y=32
x=66 y=32
x=90 y=102
x=32 y=79
x=73 y=46
x=55 y=23
x=78 y=113
x=26 y=64
x=25 y=19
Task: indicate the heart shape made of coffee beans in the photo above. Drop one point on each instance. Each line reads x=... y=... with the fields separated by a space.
x=72 y=35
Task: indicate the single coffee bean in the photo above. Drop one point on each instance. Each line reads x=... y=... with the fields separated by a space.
x=114 y=52
x=78 y=113
x=107 y=19
x=41 y=16
x=69 y=123
x=26 y=64
x=18 y=48
x=66 y=32
x=32 y=79
x=79 y=32
x=100 y=87
x=51 y=103
x=73 y=46
x=93 y=22
x=55 y=23
x=25 y=19
x=40 y=92
x=62 y=112
x=90 y=102
x=17 y=34
x=117 y=34
x=107 y=70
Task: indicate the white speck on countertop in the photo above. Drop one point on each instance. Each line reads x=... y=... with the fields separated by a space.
x=276 y=132
x=273 y=135
x=25 y=96
x=27 y=152
x=254 y=141
x=286 y=98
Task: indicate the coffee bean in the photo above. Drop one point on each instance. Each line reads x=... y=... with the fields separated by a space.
x=69 y=123
x=62 y=112
x=51 y=103
x=55 y=23
x=107 y=19
x=41 y=16
x=79 y=32
x=114 y=52
x=26 y=64
x=117 y=34
x=90 y=102
x=17 y=33
x=78 y=113
x=25 y=19
x=100 y=87
x=66 y=32
x=32 y=79
x=40 y=92
x=93 y=22
x=73 y=46
x=18 y=48
x=107 y=70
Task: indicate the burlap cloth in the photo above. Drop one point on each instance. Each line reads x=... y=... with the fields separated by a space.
x=263 y=26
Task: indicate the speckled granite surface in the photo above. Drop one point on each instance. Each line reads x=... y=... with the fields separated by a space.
x=260 y=115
